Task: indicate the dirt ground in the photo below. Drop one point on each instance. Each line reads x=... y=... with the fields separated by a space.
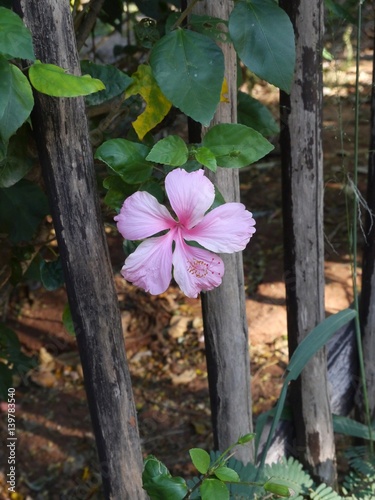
x=56 y=456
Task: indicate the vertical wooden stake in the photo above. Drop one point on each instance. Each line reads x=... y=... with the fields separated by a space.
x=62 y=136
x=302 y=165
x=224 y=309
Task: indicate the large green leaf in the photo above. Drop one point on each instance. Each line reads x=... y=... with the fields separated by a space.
x=15 y=38
x=235 y=145
x=18 y=105
x=54 y=81
x=254 y=114
x=115 y=81
x=127 y=159
x=189 y=68
x=4 y=84
x=22 y=208
x=263 y=37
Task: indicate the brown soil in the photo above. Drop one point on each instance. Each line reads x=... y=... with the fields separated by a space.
x=56 y=456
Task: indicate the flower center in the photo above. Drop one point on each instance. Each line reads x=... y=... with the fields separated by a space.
x=198 y=268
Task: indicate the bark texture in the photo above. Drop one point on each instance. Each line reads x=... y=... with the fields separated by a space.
x=367 y=305
x=224 y=311
x=65 y=153
x=301 y=117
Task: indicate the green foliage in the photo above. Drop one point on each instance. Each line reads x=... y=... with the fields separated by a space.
x=235 y=145
x=115 y=81
x=263 y=37
x=16 y=102
x=189 y=69
x=159 y=483
x=169 y=151
x=213 y=27
x=309 y=346
x=15 y=38
x=254 y=114
x=51 y=274
x=12 y=360
x=127 y=159
x=360 y=482
x=22 y=208
x=201 y=459
x=16 y=164
x=54 y=81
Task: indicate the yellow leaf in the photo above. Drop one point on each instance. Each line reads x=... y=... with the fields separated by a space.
x=157 y=105
x=86 y=473
x=224 y=92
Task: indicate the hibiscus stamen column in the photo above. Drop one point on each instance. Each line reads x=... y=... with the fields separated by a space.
x=224 y=308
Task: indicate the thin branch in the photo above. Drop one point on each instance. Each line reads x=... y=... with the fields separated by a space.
x=93 y=9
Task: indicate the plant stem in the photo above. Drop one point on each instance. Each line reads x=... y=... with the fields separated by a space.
x=184 y=14
x=354 y=234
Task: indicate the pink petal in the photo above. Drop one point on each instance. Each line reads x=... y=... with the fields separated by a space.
x=142 y=216
x=150 y=266
x=226 y=229
x=196 y=269
x=191 y=195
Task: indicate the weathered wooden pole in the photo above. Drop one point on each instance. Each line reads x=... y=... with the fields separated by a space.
x=62 y=137
x=224 y=308
x=367 y=304
x=302 y=166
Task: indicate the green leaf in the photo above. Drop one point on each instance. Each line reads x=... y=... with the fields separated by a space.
x=263 y=37
x=118 y=191
x=254 y=114
x=159 y=483
x=157 y=105
x=206 y=157
x=22 y=208
x=51 y=274
x=18 y=161
x=19 y=102
x=350 y=427
x=189 y=68
x=214 y=27
x=315 y=340
x=214 y=489
x=235 y=145
x=169 y=151
x=127 y=159
x=68 y=320
x=227 y=474
x=201 y=459
x=115 y=81
x=4 y=84
x=15 y=38
x=154 y=189
x=277 y=489
x=54 y=81
x=309 y=346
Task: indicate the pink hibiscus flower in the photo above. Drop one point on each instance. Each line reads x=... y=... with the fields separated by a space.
x=226 y=229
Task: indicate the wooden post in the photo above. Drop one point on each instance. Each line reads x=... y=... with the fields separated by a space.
x=367 y=305
x=224 y=309
x=65 y=153
x=302 y=166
